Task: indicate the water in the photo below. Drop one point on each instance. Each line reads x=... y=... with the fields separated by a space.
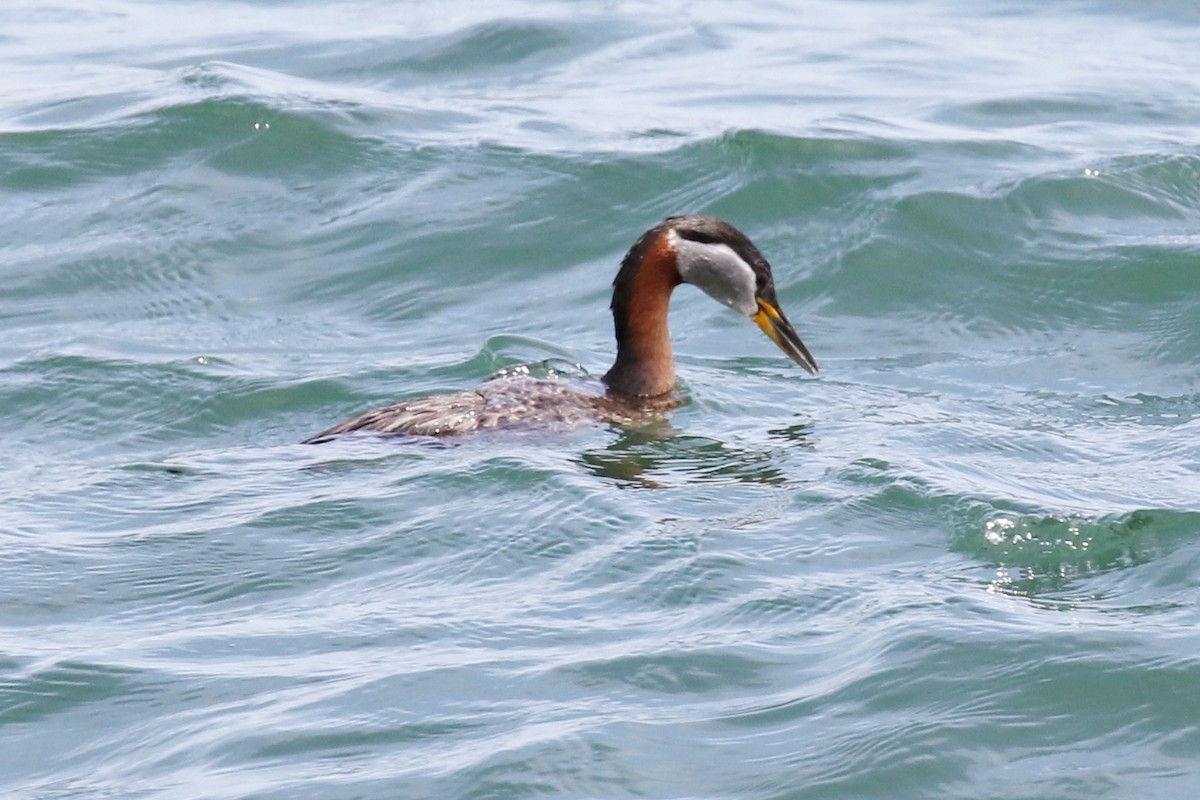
x=963 y=562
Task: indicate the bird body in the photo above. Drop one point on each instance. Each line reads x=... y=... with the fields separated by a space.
x=704 y=251
x=505 y=401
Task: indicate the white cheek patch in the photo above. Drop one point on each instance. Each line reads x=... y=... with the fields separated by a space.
x=719 y=271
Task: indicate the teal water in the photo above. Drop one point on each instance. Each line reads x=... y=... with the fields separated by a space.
x=963 y=562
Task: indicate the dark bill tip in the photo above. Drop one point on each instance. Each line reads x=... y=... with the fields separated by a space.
x=776 y=326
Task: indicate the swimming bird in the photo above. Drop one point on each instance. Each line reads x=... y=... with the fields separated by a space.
x=704 y=251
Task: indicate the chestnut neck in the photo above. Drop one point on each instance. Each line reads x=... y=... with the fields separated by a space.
x=645 y=365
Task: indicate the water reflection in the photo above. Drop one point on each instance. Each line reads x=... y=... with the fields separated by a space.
x=656 y=456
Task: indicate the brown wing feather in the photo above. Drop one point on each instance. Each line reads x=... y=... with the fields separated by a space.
x=437 y=415
x=509 y=402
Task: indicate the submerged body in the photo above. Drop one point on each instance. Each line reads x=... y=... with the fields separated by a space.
x=704 y=251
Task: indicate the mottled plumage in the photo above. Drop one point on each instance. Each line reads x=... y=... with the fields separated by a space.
x=502 y=402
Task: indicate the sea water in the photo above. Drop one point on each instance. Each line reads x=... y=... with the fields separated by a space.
x=962 y=562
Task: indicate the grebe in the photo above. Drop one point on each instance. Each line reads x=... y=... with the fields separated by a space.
x=704 y=251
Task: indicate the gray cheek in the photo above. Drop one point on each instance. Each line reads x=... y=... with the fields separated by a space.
x=720 y=273
x=733 y=293
x=746 y=301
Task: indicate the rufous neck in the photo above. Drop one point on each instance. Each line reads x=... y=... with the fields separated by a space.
x=645 y=365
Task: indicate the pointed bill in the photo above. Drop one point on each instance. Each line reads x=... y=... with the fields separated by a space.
x=775 y=325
